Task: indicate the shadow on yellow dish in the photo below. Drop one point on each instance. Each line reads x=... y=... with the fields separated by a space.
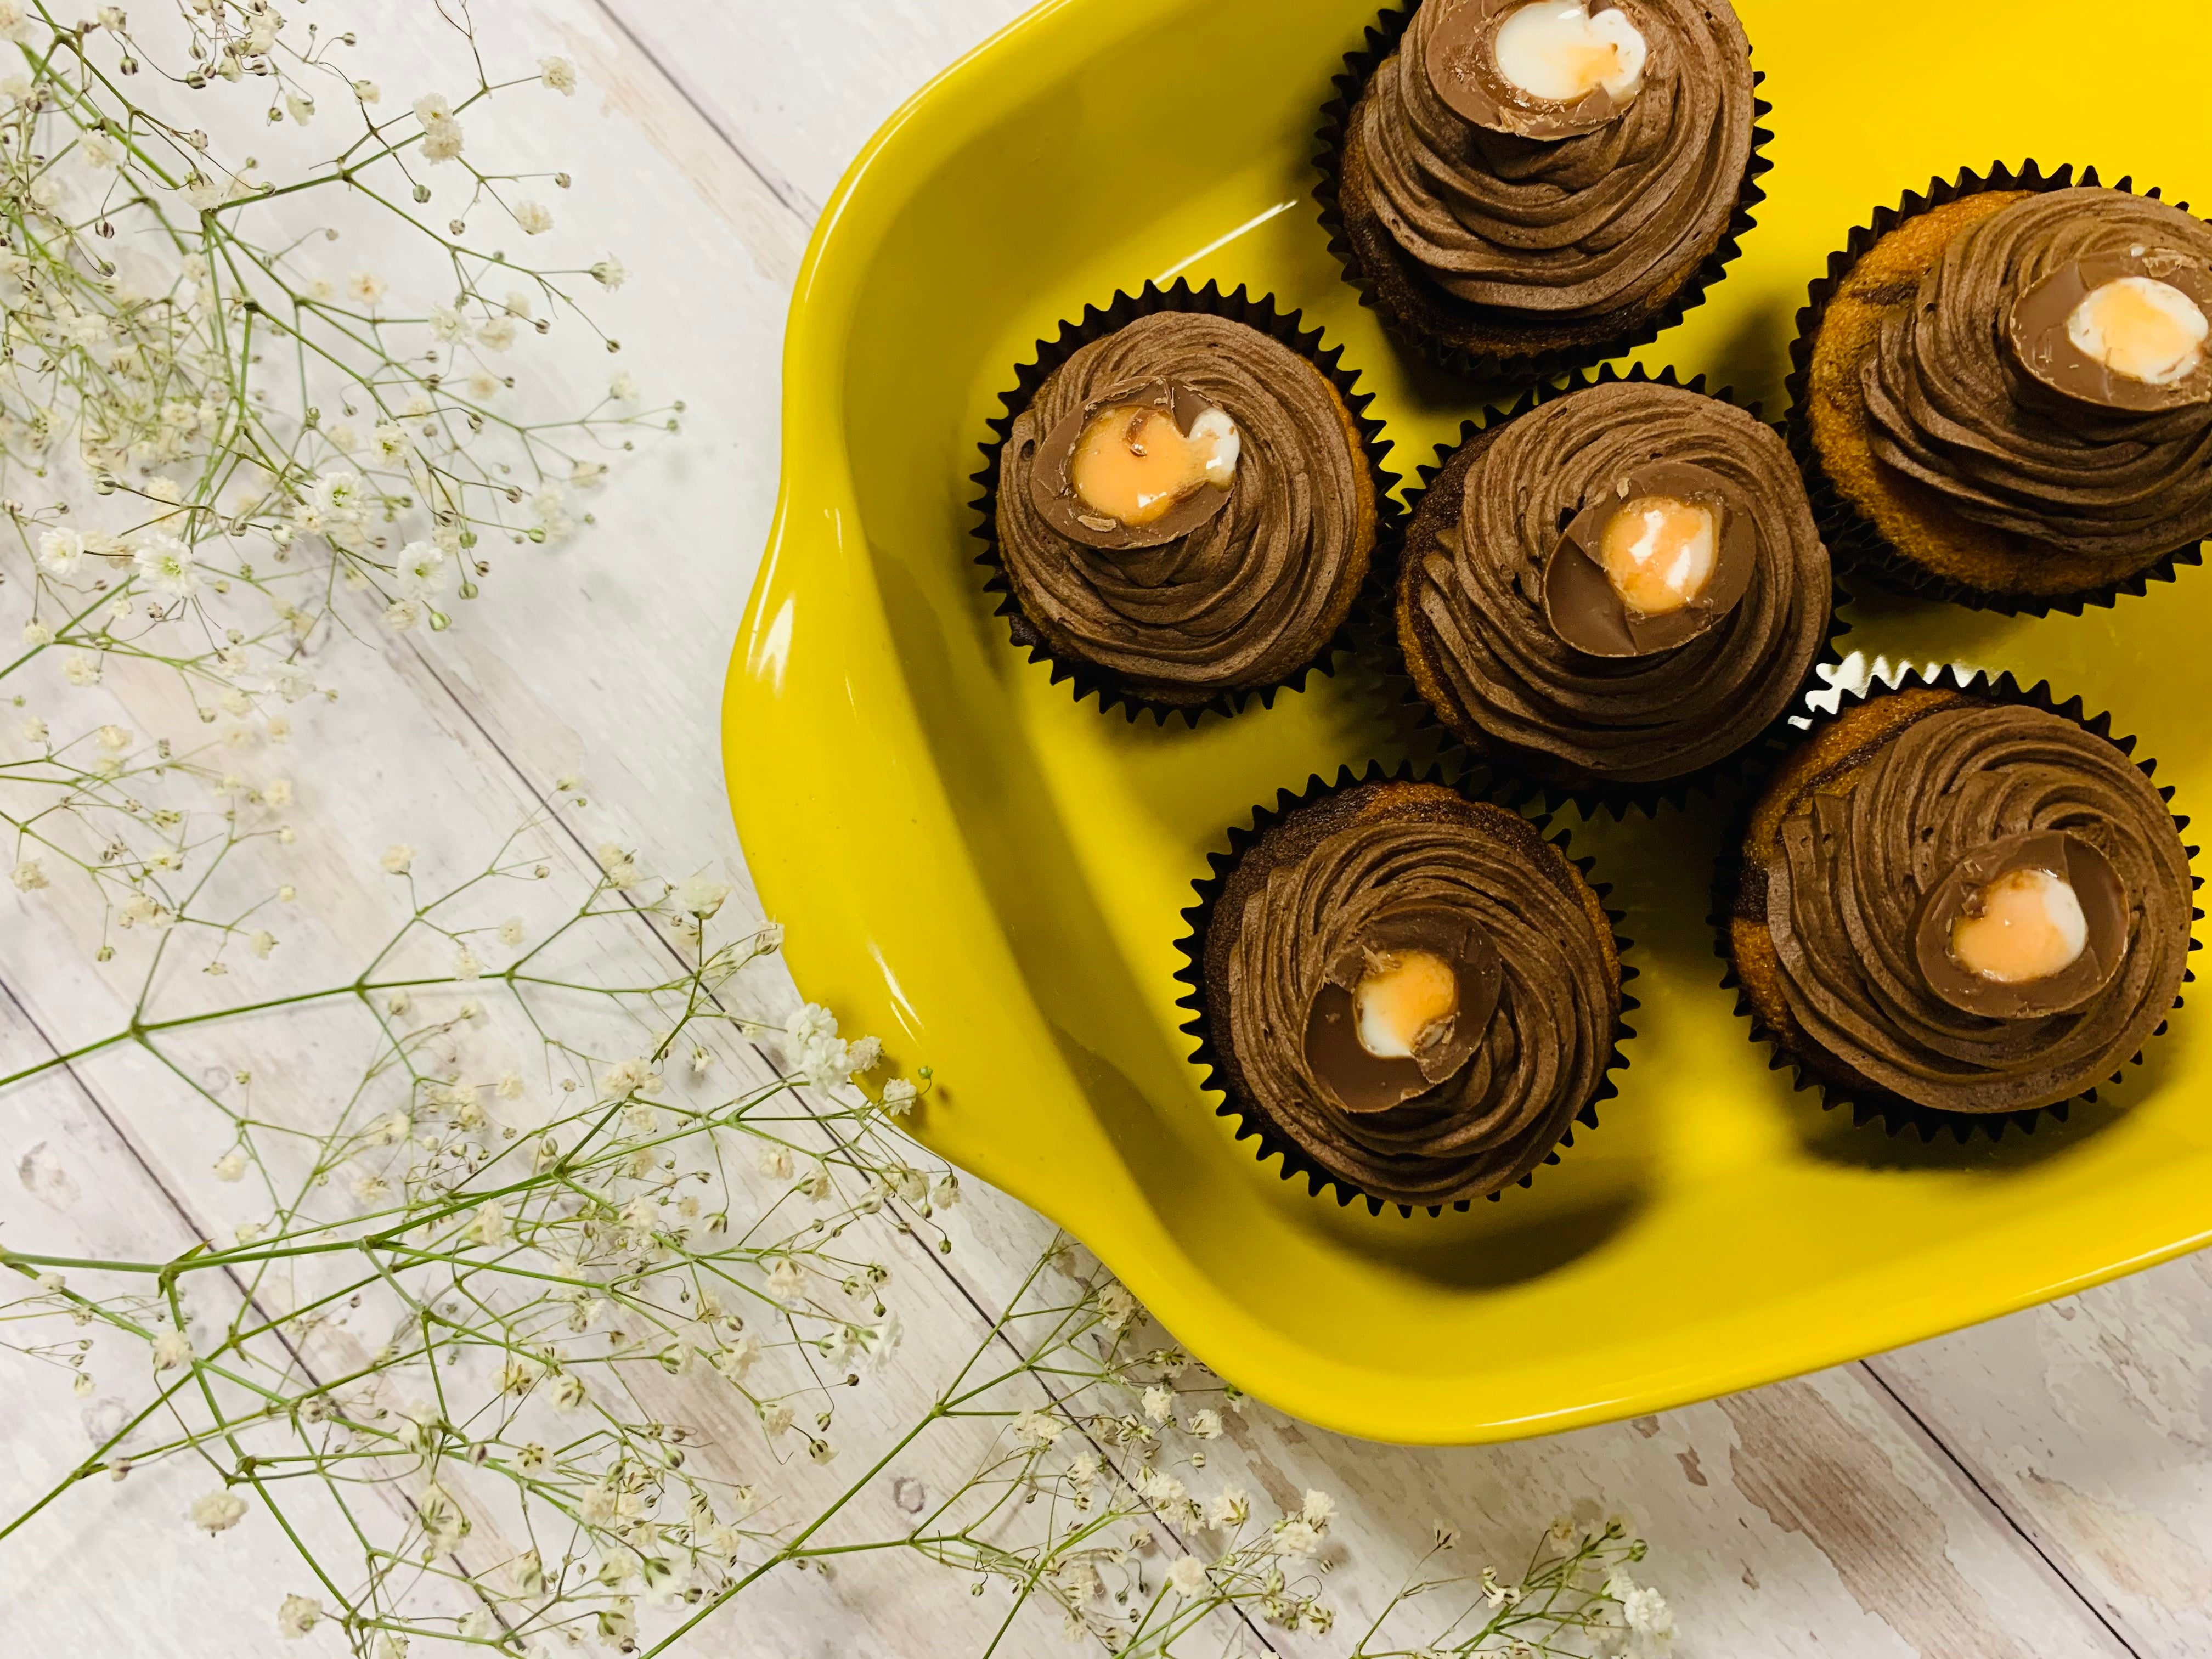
x=990 y=876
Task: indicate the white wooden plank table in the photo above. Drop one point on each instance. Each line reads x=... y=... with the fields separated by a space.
x=2030 y=1489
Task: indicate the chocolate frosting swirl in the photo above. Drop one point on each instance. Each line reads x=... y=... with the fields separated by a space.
x=1582 y=226
x=1952 y=408
x=1545 y=1050
x=1254 y=592
x=1475 y=596
x=1857 y=858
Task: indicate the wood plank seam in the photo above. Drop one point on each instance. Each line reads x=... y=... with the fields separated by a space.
x=1872 y=1368
x=801 y=206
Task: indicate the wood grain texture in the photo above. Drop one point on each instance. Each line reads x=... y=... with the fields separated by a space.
x=1823 y=1516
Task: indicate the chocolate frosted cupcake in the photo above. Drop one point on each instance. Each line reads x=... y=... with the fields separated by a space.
x=1184 y=507
x=1957 y=903
x=1406 y=993
x=1520 y=185
x=1614 y=589
x=2009 y=392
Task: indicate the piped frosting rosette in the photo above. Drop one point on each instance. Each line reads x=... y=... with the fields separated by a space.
x=1408 y=993
x=1968 y=399
x=1505 y=654
x=1513 y=225
x=1247 y=582
x=1960 y=902
x=1569 y=223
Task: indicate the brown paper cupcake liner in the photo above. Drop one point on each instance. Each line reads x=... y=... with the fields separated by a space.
x=1382 y=35
x=1870 y=1105
x=1252 y=1120
x=1087 y=677
x=1525 y=774
x=1862 y=551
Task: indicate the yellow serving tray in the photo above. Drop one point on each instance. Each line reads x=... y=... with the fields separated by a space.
x=989 y=875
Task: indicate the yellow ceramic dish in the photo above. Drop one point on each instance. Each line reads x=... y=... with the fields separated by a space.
x=989 y=875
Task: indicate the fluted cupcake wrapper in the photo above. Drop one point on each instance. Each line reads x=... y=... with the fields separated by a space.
x=1870 y=1105
x=1509 y=370
x=1252 y=1120
x=1086 y=678
x=1861 y=550
x=1535 y=778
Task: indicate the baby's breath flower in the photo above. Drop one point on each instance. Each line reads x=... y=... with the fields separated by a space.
x=899 y=1096
x=611 y=274
x=1645 y=1612
x=442 y=133
x=231 y=1166
x=1187 y=1578
x=398 y=859
x=171 y=1350
x=216 y=1511
x=61 y=550
x=700 y=896
x=1037 y=1428
x=28 y=875
x=786 y=1283
x=559 y=74
x=488 y=1226
x=1116 y=1307
x=533 y=218
x=166 y=564
x=296 y=1617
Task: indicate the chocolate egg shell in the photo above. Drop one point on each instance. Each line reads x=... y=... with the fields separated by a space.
x=1580 y=601
x=1462 y=64
x=1052 y=489
x=2103 y=902
x=1358 y=1081
x=2037 y=333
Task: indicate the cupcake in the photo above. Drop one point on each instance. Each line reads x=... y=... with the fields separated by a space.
x=2009 y=393
x=1520 y=185
x=1185 y=505
x=1960 y=901
x=1407 y=994
x=1614 y=589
